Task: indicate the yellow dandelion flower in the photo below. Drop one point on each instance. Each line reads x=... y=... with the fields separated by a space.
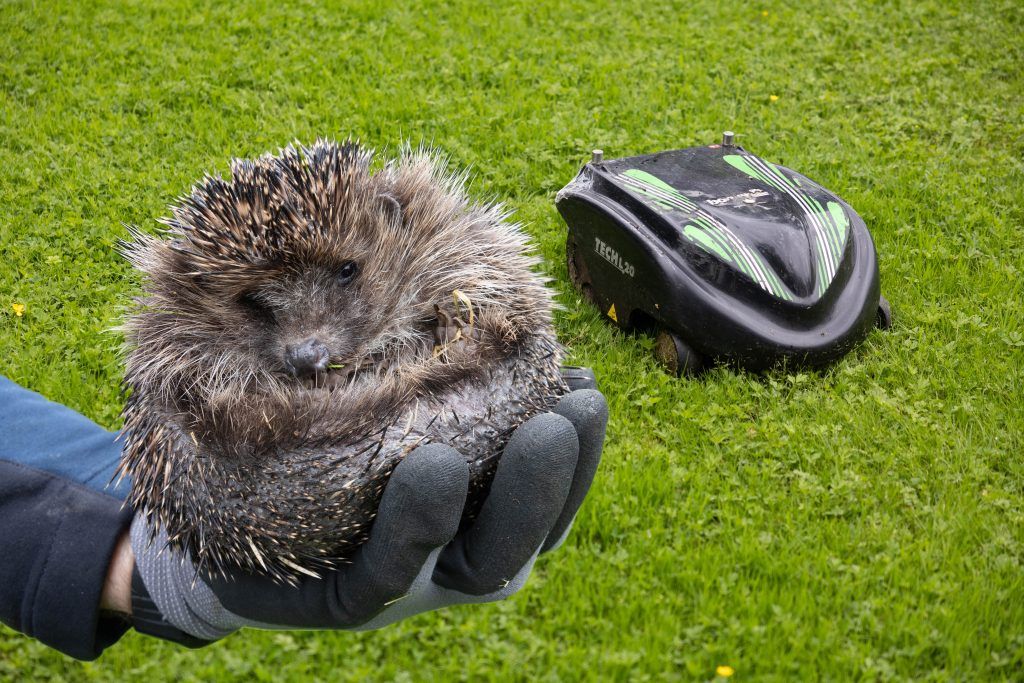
x=764 y=13
x=773 y=98
x=725 y=671
x=19 y=309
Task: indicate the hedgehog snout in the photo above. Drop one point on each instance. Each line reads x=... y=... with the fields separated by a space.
x=306 y=359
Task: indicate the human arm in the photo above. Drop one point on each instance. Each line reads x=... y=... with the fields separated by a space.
x=117 y=587
x=73 y=564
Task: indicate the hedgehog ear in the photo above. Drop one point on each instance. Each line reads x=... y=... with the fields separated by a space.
x=390 y=207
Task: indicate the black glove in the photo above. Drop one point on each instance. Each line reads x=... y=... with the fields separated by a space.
x=415 y=560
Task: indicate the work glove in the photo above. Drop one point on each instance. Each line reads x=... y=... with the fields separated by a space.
x=416 y=559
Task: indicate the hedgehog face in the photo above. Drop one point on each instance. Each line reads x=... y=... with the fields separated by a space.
x=305 y=325
x=307 y=269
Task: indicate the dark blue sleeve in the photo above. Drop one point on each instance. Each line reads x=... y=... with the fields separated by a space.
x=59 y=522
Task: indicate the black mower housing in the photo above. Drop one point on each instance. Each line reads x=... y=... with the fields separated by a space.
x=738 y=259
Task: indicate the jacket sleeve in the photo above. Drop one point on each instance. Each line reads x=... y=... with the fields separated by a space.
x=59 y=523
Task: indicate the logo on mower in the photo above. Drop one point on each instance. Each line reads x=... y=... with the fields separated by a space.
x=748 y=197
x=612 y=257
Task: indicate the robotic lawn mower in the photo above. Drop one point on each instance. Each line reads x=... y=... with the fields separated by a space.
x=725 y=256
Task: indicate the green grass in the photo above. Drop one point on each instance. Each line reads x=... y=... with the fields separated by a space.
x=861 y=523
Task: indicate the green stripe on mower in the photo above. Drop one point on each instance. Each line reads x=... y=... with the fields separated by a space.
x=707 y=232
x=830 y=228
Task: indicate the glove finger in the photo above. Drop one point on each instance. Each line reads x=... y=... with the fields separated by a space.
x=587 y=410
x=577 y=377
x=419 y=512
x=527 y=495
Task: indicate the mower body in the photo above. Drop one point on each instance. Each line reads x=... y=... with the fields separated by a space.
x=735 y=258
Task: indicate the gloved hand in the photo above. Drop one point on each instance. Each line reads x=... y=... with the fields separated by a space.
x=415 y=560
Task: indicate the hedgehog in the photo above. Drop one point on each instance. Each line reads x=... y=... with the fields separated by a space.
x=303 y=325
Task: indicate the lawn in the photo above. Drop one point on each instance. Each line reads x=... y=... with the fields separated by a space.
x=860 y=523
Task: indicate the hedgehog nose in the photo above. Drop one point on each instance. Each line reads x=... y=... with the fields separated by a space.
x=306 y=359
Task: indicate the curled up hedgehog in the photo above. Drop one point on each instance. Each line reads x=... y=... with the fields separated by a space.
x=304 y=325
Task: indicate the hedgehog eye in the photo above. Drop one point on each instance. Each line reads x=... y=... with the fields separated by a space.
x=347 y=272
x=256 y=306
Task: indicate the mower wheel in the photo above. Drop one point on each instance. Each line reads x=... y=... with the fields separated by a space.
x=883 y=319
x=676 y=356
x=578 y=273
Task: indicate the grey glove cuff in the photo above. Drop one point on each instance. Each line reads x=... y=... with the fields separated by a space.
x=182 y=598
